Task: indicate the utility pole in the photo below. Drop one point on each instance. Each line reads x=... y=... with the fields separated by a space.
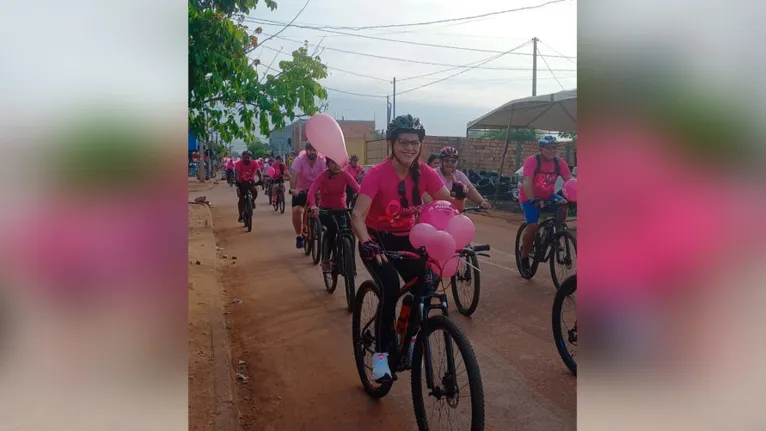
x=534 y=66
x=394 y=106
x=388 y=111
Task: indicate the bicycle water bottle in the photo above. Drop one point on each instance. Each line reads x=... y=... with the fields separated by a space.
x=404 y=316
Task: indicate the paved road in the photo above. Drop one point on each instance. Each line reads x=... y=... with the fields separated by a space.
x=295 y=339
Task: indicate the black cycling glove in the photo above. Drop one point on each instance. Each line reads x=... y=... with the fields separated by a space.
x=369 y=250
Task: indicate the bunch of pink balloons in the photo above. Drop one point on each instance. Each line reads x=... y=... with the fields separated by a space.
x=443 y=231
x=271 y=172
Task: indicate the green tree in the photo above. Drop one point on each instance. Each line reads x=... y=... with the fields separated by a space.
x=259 y=149
x=226 y=93
x=516 y=135
x=568 y=135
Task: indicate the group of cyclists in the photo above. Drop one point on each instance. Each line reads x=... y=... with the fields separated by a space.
x=407 y=182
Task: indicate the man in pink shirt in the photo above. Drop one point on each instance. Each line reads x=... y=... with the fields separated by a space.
x=304 y=170
x=538 y=189
x=331 y=185
x=247 y=173
x=356 y=172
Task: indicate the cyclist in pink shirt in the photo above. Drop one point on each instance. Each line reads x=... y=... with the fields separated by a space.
x=356 y=172
x=331 y=185
x=538 y=190
x=247 y=175
x=304 y=170
x=385 y=210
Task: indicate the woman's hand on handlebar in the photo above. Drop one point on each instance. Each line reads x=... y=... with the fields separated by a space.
x=315 y=211
x=371 y=250
x=486 y=205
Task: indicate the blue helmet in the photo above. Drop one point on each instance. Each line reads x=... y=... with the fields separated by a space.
x=547 y=140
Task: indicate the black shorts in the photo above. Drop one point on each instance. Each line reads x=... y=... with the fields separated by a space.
x=247 y=185
x=299 y=199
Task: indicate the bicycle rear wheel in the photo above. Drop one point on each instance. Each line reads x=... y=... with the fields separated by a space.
x=281 y=202
x=363 y=337
x=563 y=257
x=470 y=285
x=565 y=338
x=349 y=270
x=307 y=243
x=316 y=239
x=533 y=263
x=449 y=381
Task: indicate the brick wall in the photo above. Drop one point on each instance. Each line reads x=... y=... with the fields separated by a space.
x=354 y=132
x=479 y=154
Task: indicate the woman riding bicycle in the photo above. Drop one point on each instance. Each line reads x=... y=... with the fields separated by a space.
x=456 y=181
x=331 y=185
x=385 y=211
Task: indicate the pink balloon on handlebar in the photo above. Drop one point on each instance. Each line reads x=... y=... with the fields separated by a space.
x=326 y=136
x=570 y=189
x=462 y=230
x=420 y=234
x=441 y=246
x=271 y=172
x=438 y=214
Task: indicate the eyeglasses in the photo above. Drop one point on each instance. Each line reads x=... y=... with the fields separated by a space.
x=405 y=144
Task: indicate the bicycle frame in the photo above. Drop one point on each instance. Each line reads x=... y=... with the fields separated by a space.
x=423 y=304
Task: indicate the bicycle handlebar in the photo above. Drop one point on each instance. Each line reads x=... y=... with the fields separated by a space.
x=481 y=247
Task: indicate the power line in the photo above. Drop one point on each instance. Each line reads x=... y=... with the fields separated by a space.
x=485 y=15
x=377 y=96
x=411 y=61
x=549 y=47
x=290 y=23
x=549 y=68
x=364 y=36
x=343 y=70
x=462 y=71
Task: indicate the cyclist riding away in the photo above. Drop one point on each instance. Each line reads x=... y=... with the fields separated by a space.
x=331 y=185
x=456 y=181
x=282 y=172
x=229 y=169
x=303 y=172
x=385 y=211
x=538 y=188
x=356 y=172
x=246 y=171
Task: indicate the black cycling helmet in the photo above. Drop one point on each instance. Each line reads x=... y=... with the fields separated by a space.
x=404 y=124
x=279 y=158
x=308 y=145
x=246 y=153
x=354 y=158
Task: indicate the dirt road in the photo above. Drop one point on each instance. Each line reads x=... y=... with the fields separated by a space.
x=291 y=341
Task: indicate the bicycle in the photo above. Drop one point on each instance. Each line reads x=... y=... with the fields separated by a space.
x=468 y=272
x=312 y=234
x=279 y=203
x=341 y=252
x=550 y=244
x=414 y=349
x=561 y=338
x=249 y=208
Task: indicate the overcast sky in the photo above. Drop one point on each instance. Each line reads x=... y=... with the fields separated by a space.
x=447 y=106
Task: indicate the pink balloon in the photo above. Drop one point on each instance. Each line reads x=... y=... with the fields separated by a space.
x=420 y=234
x=271 y=172
x=445 y=269
x=462 y=230
x=441 y=246
x=438 y=214
x=570 y=189
x=326 y=136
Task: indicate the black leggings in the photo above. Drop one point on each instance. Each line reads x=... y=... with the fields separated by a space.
x=328 y=221
x=386 y=275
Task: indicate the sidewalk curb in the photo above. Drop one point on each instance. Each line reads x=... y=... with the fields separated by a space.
x=227 y=414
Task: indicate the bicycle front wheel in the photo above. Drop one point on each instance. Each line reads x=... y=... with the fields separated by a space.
x=349 y=268
x=316 y=238
x=451 y=375
x=363 y=337
x=565 y=324
x=281 y=202
x=533 y=263
x=330 y=278
x=466 y=285
x=249 y=215
x=563 y=257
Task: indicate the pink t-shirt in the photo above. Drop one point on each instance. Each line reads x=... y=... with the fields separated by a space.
x=246 y=172
x=307 y=174
x=332 y=191
x=457 y=175
x=544 y=182
x=355 y=171
x=229 y=164
x=381 y=184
